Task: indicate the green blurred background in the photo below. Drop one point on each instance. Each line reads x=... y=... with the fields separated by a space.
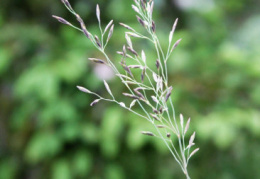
x=48 y=130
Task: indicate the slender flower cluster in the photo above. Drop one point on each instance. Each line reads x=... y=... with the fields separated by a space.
x=158 y=108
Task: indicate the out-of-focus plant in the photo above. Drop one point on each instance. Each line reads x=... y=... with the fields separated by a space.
x=147 y=84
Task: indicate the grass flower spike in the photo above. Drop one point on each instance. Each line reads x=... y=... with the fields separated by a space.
x=157 y=108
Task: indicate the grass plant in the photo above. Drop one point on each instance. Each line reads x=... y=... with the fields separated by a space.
x=148 y=88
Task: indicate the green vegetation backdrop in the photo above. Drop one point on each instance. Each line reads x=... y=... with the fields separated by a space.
x=48 y=130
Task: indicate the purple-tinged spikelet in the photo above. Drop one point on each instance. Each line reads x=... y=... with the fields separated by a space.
x=154 y=116
x=161 y=126
x=97 y=41
x=176 y=44
x=120 y=53
x=143 y=74
x=66 y=2
x=193 y=152
x=79 y=19
x=126 y=26
x=187 y=126
x=126 y=68
x=143 y=2
x=83 y=26
x=135 y=9
x=157 y=64
x=110 y=33
x=85 y=90
x=98 y=13
x=147 y=133
x=124 y=50
x=192 y=137
x=135 y=66
x=139 y=88
x=94 y=102
x=130 y=95
x=108 y=25
x=97 y=60
x=139 y=93
x=132 y=51
x=61 y=20
x=161 y=109
x=168 y=94
x=155 y=111
x=85 y=31
x=140 y=21
x=153 y=27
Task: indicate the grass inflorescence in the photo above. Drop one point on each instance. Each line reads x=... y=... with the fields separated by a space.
x=157 y=108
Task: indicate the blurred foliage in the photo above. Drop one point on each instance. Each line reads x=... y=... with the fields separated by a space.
x=48 y=130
